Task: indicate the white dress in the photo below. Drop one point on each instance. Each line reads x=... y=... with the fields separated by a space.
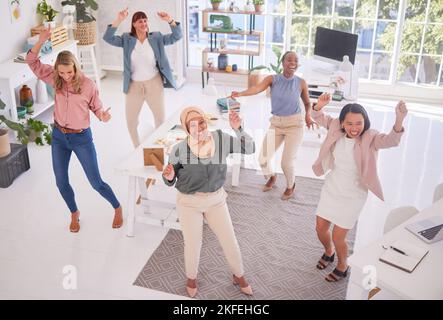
x=342 y=197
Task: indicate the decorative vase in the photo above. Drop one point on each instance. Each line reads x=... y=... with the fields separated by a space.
x=26 y=99
x=215 y=5
x=42 y=93
x=258 y=7
x=51 y=24
x=5 y=147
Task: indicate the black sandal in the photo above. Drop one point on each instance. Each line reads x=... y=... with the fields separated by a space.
x=321 y=265
x=337 y=275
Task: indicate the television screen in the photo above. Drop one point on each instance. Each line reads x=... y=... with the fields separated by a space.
x=334 y=44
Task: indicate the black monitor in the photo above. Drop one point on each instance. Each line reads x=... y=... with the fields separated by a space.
x=332 y=45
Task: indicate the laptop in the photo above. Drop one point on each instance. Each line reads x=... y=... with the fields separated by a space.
x=429 y=230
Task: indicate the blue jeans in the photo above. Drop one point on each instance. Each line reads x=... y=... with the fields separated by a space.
x=81 y=143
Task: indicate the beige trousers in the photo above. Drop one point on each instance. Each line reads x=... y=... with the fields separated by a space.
x=287 y=129
x=212 y=206
x=150 y=91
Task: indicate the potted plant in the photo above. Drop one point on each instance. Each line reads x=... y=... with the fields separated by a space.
x=258 y=5
x=85 y=32
x=255 y=77
x=48 y=13
x=216 y=4
x=31 y=130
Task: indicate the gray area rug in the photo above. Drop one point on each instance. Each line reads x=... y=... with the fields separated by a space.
x=277 y=240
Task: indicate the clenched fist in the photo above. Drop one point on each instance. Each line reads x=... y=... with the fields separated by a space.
x=169 y=172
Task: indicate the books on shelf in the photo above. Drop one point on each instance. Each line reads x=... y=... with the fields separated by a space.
x=222 y=103
x=404 y=256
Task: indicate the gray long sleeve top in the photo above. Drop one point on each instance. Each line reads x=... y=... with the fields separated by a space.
x=194 y=174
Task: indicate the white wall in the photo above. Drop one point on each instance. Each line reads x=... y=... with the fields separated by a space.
x=14 y=35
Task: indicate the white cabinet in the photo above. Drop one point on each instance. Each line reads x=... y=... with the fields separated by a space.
x=14 y=75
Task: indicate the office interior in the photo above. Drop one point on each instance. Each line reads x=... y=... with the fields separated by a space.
x=395 y=53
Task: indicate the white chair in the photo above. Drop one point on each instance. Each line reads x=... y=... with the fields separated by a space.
x=438 y=193
x=398 y=216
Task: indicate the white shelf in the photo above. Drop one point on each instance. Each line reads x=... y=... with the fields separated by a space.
x=40 y=108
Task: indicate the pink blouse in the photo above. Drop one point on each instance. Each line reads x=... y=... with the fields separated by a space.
x=71 y=110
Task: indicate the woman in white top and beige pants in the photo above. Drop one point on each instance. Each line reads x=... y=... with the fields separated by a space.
x=146 y=67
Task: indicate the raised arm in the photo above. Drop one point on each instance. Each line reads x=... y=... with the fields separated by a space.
x=392 y=139
x=174 y=165
x=317 y=113
x=262 y=86
x=44 y=72
x=109 y=36
x=176 y=29
x=242 y=143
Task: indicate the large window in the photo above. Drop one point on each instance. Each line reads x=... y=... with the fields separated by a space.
x=399 y=40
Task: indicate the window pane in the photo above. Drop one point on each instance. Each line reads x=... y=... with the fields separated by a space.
x=301 y=6
x=343 y=25
x=363 y=59
x=301 y=51
x=323 y=7
x=366 y=9
x=428 y=72
x=416 y=11
x=344 y=8
x=275 y=29
x=365 y=31
x=433 y=39
x=271 y=56
x=436 y=11
x=388 y=9
x=407 y=68
x=411 y=41
x=300 y=31
x=276 y=6
x=381 y=66
x=384 y=39
x=319 y=22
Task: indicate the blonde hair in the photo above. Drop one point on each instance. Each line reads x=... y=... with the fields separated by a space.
x=66 y=58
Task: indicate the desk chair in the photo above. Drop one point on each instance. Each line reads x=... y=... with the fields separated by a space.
x=398 y=216
x=395 y=217
x=438 y=193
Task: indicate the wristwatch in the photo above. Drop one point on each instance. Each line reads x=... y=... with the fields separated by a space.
x=172 y=20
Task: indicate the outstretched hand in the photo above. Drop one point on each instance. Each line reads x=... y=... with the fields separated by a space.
x=123 y=14
x=169 y=172
x=164 y=16
x=401 y=111
x=45 y=35
x=234 y=120
x=105 y=116
x=235 y=94
x=323 y=100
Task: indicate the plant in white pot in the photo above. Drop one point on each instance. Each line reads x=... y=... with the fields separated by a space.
x=85 y=31
x=48 y=13
x=30 y=130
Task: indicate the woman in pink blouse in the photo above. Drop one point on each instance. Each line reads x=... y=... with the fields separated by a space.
x=75 y=95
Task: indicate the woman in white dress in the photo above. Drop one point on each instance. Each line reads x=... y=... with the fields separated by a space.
x=350 y=151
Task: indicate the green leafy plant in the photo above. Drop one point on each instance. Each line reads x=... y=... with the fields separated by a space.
x=31 y=130
x=259 y=2
x=83 y=9
x=278 y=68
x=46 y=10
x=216 y=1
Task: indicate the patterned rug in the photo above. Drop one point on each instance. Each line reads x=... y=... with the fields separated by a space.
x=277 y=240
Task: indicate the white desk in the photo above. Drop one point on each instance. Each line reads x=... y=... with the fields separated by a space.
x=134 y=168
x=425 y=282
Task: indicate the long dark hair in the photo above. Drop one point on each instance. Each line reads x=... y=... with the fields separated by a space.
x=355 y=108
x=136 y=16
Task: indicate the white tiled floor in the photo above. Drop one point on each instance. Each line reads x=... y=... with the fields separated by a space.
x=35 y=244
